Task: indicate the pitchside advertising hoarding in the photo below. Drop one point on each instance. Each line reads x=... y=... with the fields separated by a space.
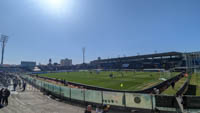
x=139 y=100
x=93 y=96
x=77 y=94
x=113 y=98
x=128 y=99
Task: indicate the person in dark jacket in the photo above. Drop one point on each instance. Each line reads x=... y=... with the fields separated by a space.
x=1 y=95
x=24 y=86
x=14 y=84
x=106 y=108
x=6 y=94
x=19 y=82
x=173 y=84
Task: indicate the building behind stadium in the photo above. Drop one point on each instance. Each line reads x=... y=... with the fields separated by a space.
x=66 y=62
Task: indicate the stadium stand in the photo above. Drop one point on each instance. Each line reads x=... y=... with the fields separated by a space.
x=152 y=61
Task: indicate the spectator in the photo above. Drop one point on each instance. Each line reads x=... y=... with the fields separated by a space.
x=173 y=84
x=156 y=91
x=14 y=84
x=24 y=86
x=99 y=109
x=6 y=94
x=106 y=108
x=65 y=83
x=88 y=109
x=1 y=95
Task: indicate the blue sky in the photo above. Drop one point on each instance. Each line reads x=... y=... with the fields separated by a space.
x=107 y=28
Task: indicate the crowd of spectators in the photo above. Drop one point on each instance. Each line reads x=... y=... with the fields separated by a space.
x=20 y=83
x=6 y=82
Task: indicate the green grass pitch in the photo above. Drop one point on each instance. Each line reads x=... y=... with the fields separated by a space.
x=130 y=80
x=195 y=80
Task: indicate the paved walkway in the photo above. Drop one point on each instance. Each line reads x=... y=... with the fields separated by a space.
x=33 y=101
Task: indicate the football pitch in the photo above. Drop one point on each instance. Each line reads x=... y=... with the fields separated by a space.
x=123 y=80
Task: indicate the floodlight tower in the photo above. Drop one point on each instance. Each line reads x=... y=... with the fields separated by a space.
x=3 y=40
x=83 y=50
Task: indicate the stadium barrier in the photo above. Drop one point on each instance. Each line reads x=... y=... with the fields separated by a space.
x=166 y=103
x=184 y=88
x=119 y=99
x=125 y=100
x=161 y=86
x=164 y=85
x=191 y=102
x=192 y=90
